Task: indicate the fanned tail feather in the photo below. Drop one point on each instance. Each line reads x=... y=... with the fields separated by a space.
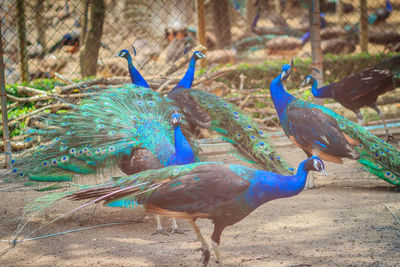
x=377 y=156
x=234 y=127
x=97 y=133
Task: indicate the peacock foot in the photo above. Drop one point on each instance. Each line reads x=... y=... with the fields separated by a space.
x=176 y=231
x=160 y=231
x=205 y=257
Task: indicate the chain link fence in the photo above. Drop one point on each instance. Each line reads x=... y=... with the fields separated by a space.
x=247 y=41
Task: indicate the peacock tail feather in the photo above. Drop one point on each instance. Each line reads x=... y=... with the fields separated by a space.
x=125 y=191
x=377 y=156
x=236 y=128
x=97 y=133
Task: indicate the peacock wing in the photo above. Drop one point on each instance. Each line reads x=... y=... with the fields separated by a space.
x=313 y=130
x=198 y=191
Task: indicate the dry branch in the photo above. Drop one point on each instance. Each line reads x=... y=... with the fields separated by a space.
x=30 y=99
x=36 y=111
x=84 y=85
x=29 y=91
x=182 y=61
x=18 y=145
x=221 y=72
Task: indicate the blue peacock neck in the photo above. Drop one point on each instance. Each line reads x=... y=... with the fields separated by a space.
x=136 y=77
x=183 y=151
x=187 y=80
x=279 y=96
x=323 y=92
x=267 y=186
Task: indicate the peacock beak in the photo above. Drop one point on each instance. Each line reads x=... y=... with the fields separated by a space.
x=323 y=172
x=284 y=74
x=201 y=55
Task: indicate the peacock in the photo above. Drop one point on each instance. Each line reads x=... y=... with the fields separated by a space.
x=320 y=131
x=136 y=77
x=381 y=14
x=69 y=39
x=363 y=88
x=72 y=40
x=126 y=126
x=98 y=133
x=208 y=111
x=223 y=193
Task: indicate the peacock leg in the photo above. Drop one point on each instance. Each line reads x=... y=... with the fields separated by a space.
x=175 y=228
x=160 y=229
x=389 y=137
x=204 y=247
x=215 y=247
x=215 y=241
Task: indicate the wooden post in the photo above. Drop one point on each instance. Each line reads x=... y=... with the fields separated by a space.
x=339 y=12
x=3 y=94
x=23 y=58
x=316 y=52
x=316 y=55
x=201 y=28
x=363 y=26
x=41 y=29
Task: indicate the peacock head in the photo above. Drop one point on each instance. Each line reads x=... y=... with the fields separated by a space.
x=315 y=164
x=123 y=53
x=176 y=119
x=286 y=71
x=198 y=55
x=307 y=81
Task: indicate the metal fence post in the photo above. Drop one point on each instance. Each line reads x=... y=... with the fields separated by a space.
x=3 y=94
x=201 y=28
x=363 y=26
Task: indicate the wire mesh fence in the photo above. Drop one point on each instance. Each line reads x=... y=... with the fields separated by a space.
x=236 y=31
x=247 y=41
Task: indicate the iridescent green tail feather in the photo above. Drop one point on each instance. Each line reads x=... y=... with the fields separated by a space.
x=378 y=157
x=97 y=133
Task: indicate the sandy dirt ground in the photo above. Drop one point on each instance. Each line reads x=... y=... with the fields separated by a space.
x=341 y=222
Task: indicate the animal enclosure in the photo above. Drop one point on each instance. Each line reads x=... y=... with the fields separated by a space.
x=220 y=69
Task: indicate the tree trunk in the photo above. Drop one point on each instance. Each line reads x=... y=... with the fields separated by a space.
x=84 y=7
x=90 y=51
x=23 y=58
x=41 y=29
x=221 y=22
x=251 y=11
